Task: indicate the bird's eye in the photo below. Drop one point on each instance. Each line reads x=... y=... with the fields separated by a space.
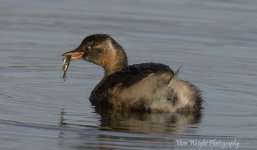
x=87 y=48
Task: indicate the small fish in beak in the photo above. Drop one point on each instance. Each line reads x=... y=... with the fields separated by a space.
x=65 y=66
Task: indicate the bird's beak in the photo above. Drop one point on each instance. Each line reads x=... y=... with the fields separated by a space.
x=75 y=54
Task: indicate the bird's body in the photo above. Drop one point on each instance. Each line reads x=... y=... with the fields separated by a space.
x=148 y=87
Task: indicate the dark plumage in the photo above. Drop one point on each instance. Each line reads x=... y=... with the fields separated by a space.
x=150 y=87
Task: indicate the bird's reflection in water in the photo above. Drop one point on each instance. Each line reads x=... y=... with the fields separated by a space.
x=174 y=124
x=147 y=123
x=141 y=122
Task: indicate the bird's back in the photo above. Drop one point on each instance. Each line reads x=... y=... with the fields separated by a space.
x=149 y=87
x=134 y=82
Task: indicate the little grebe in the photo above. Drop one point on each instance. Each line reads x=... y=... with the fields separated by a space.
x=149 y=87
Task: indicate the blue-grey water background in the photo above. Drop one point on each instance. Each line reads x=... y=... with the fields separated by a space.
x=215 y=41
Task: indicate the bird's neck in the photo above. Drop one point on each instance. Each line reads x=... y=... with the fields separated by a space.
x=114 y=68
x=114 y=63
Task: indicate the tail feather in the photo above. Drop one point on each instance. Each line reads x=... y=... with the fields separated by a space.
x=177 y=71
x=188 y=96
